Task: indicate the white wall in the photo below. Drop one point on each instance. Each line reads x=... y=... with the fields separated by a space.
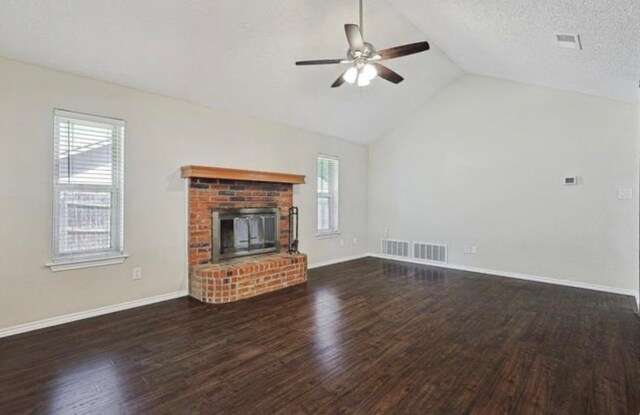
x=483 y=164
x=162 y=134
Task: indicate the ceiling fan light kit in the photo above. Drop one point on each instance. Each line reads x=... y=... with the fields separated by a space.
x=363 y=58
x=363 y=75
x=351 y=75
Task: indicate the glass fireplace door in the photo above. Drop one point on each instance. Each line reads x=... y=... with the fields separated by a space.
x=239 y=232
x=241 y=235
x=270 y=232
x=256 y=232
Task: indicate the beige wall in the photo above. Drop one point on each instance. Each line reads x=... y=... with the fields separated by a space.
x=483 y=164
x=162 y=135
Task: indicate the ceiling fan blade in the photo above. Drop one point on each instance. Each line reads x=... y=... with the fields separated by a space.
x=354 y=37
x=339 y=81
x=388 y=74
x=403 y=50
x=320 y=62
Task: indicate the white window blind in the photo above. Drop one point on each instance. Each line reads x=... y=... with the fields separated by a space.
x=88 y=187
x=328 y=186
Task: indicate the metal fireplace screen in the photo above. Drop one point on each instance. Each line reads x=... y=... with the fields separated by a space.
x=240 y=232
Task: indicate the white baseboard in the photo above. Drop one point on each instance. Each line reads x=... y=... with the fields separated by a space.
x=54 y=321
x=548 y=280
x=337 y=260
x=67 y=318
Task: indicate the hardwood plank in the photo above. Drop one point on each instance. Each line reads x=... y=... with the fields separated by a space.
x=366 y=336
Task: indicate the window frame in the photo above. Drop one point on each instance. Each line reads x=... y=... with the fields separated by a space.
x=334 y=205
x=115 y=254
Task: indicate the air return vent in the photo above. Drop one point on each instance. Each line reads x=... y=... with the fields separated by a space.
x=430 y=252
x=567 y=41
x=395 y=248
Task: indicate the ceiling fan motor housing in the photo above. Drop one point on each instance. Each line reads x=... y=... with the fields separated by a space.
x=367 y=52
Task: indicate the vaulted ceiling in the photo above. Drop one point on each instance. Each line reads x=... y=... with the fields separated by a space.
x=515 y=39
x=239 y=55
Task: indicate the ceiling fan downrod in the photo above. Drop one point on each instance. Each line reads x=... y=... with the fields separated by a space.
x=361 y=20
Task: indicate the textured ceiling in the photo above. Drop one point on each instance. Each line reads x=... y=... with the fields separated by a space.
x=239 y=55
x=233 y=55
x=515 y=39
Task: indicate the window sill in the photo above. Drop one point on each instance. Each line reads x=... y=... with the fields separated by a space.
x=327 y=235
x=86 y=263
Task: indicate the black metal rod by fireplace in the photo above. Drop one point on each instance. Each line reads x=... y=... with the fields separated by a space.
x=240 y=232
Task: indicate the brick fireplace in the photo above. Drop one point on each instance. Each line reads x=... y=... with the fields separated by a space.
x=215 y=192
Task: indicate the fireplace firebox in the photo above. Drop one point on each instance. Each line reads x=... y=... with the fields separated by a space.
x=241 y=232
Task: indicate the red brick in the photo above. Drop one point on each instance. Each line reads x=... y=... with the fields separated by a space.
x=260 y=275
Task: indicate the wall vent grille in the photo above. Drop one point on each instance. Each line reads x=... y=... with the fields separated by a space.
x=569 y=41
x=430 y=252
x=395 y=248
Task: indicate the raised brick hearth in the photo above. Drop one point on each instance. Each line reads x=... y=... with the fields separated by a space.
x=239 y=278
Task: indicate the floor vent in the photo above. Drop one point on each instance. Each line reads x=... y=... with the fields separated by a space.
x=395 y=248
x=430 y=252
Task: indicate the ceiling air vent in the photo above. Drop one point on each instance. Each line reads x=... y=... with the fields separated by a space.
x=569 y=41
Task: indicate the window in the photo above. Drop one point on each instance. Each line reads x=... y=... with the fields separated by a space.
x=328 y=173
x=87 y=188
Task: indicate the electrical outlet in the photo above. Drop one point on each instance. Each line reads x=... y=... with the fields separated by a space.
x=341 y=242
x=355 y=241
x=137 y=273
x=474 y=250
x=467 y=249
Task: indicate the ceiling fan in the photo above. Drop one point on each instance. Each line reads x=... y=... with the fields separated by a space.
x=363 y=58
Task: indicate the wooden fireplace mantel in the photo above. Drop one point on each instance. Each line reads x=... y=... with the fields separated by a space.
x=204 y=172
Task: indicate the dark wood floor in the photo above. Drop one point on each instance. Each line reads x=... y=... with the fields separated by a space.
x=367 y=336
